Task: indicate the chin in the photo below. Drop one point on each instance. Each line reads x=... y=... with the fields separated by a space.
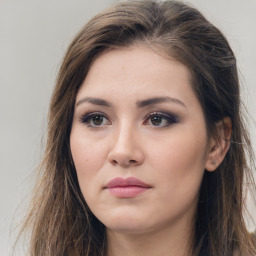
x=125 y=222
x=128 y=228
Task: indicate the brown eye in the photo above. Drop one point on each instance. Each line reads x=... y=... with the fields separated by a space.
x=97 y=120
x=156 y=120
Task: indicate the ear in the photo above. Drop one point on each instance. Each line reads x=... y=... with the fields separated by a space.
x=219 y=145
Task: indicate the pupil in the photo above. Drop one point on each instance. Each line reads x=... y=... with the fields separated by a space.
x=97 y=120
x=156 y=120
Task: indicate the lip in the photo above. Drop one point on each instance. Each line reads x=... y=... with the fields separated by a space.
x=126 y=187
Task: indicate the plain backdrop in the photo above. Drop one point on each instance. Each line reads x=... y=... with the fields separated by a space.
x=33 y=37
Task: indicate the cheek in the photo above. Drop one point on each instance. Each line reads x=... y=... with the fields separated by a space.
x=88 y=158
x=180 y=162
x=184 y=157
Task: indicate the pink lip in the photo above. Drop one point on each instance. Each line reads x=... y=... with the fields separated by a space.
x=126 y=188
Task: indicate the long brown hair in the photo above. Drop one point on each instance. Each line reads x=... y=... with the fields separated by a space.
x=60 y=221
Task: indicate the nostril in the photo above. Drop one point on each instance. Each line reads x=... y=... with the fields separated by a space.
x=114 y=162
x=123 y=163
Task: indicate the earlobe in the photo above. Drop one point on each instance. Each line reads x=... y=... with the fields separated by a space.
x=219 y=145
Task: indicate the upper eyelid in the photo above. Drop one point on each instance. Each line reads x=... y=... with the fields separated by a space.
x=91 y=114
x=162 y=114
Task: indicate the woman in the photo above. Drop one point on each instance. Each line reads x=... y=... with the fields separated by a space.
x=146 y=149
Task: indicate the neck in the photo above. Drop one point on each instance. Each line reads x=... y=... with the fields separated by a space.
x=170 y=241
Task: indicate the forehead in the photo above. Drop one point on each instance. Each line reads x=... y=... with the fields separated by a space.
x=135 y=69
x=130 y=58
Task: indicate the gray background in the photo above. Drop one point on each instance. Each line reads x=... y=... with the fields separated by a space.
x=33 y=37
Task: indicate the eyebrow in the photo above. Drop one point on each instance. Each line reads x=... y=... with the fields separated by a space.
x=139 y=104
x=157 y=100
x=94 y=101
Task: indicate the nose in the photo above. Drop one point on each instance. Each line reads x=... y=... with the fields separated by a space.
x=126 y=149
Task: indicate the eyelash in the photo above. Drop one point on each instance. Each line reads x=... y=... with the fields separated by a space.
x=169 y=118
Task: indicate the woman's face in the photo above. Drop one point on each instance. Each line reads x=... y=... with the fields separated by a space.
x=137 y=117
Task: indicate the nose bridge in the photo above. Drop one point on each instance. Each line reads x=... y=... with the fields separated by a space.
x=126 y=149
x=125 y=134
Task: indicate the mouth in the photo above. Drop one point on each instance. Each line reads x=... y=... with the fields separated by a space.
x=126 y=188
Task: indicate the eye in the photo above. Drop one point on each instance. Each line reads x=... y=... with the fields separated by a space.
x=95 y=120
x=159 y=119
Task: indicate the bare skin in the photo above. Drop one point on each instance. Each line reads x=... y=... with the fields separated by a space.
x=136 y=115
x=172 y=241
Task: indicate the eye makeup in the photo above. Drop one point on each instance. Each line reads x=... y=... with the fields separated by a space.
x=157 y=119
